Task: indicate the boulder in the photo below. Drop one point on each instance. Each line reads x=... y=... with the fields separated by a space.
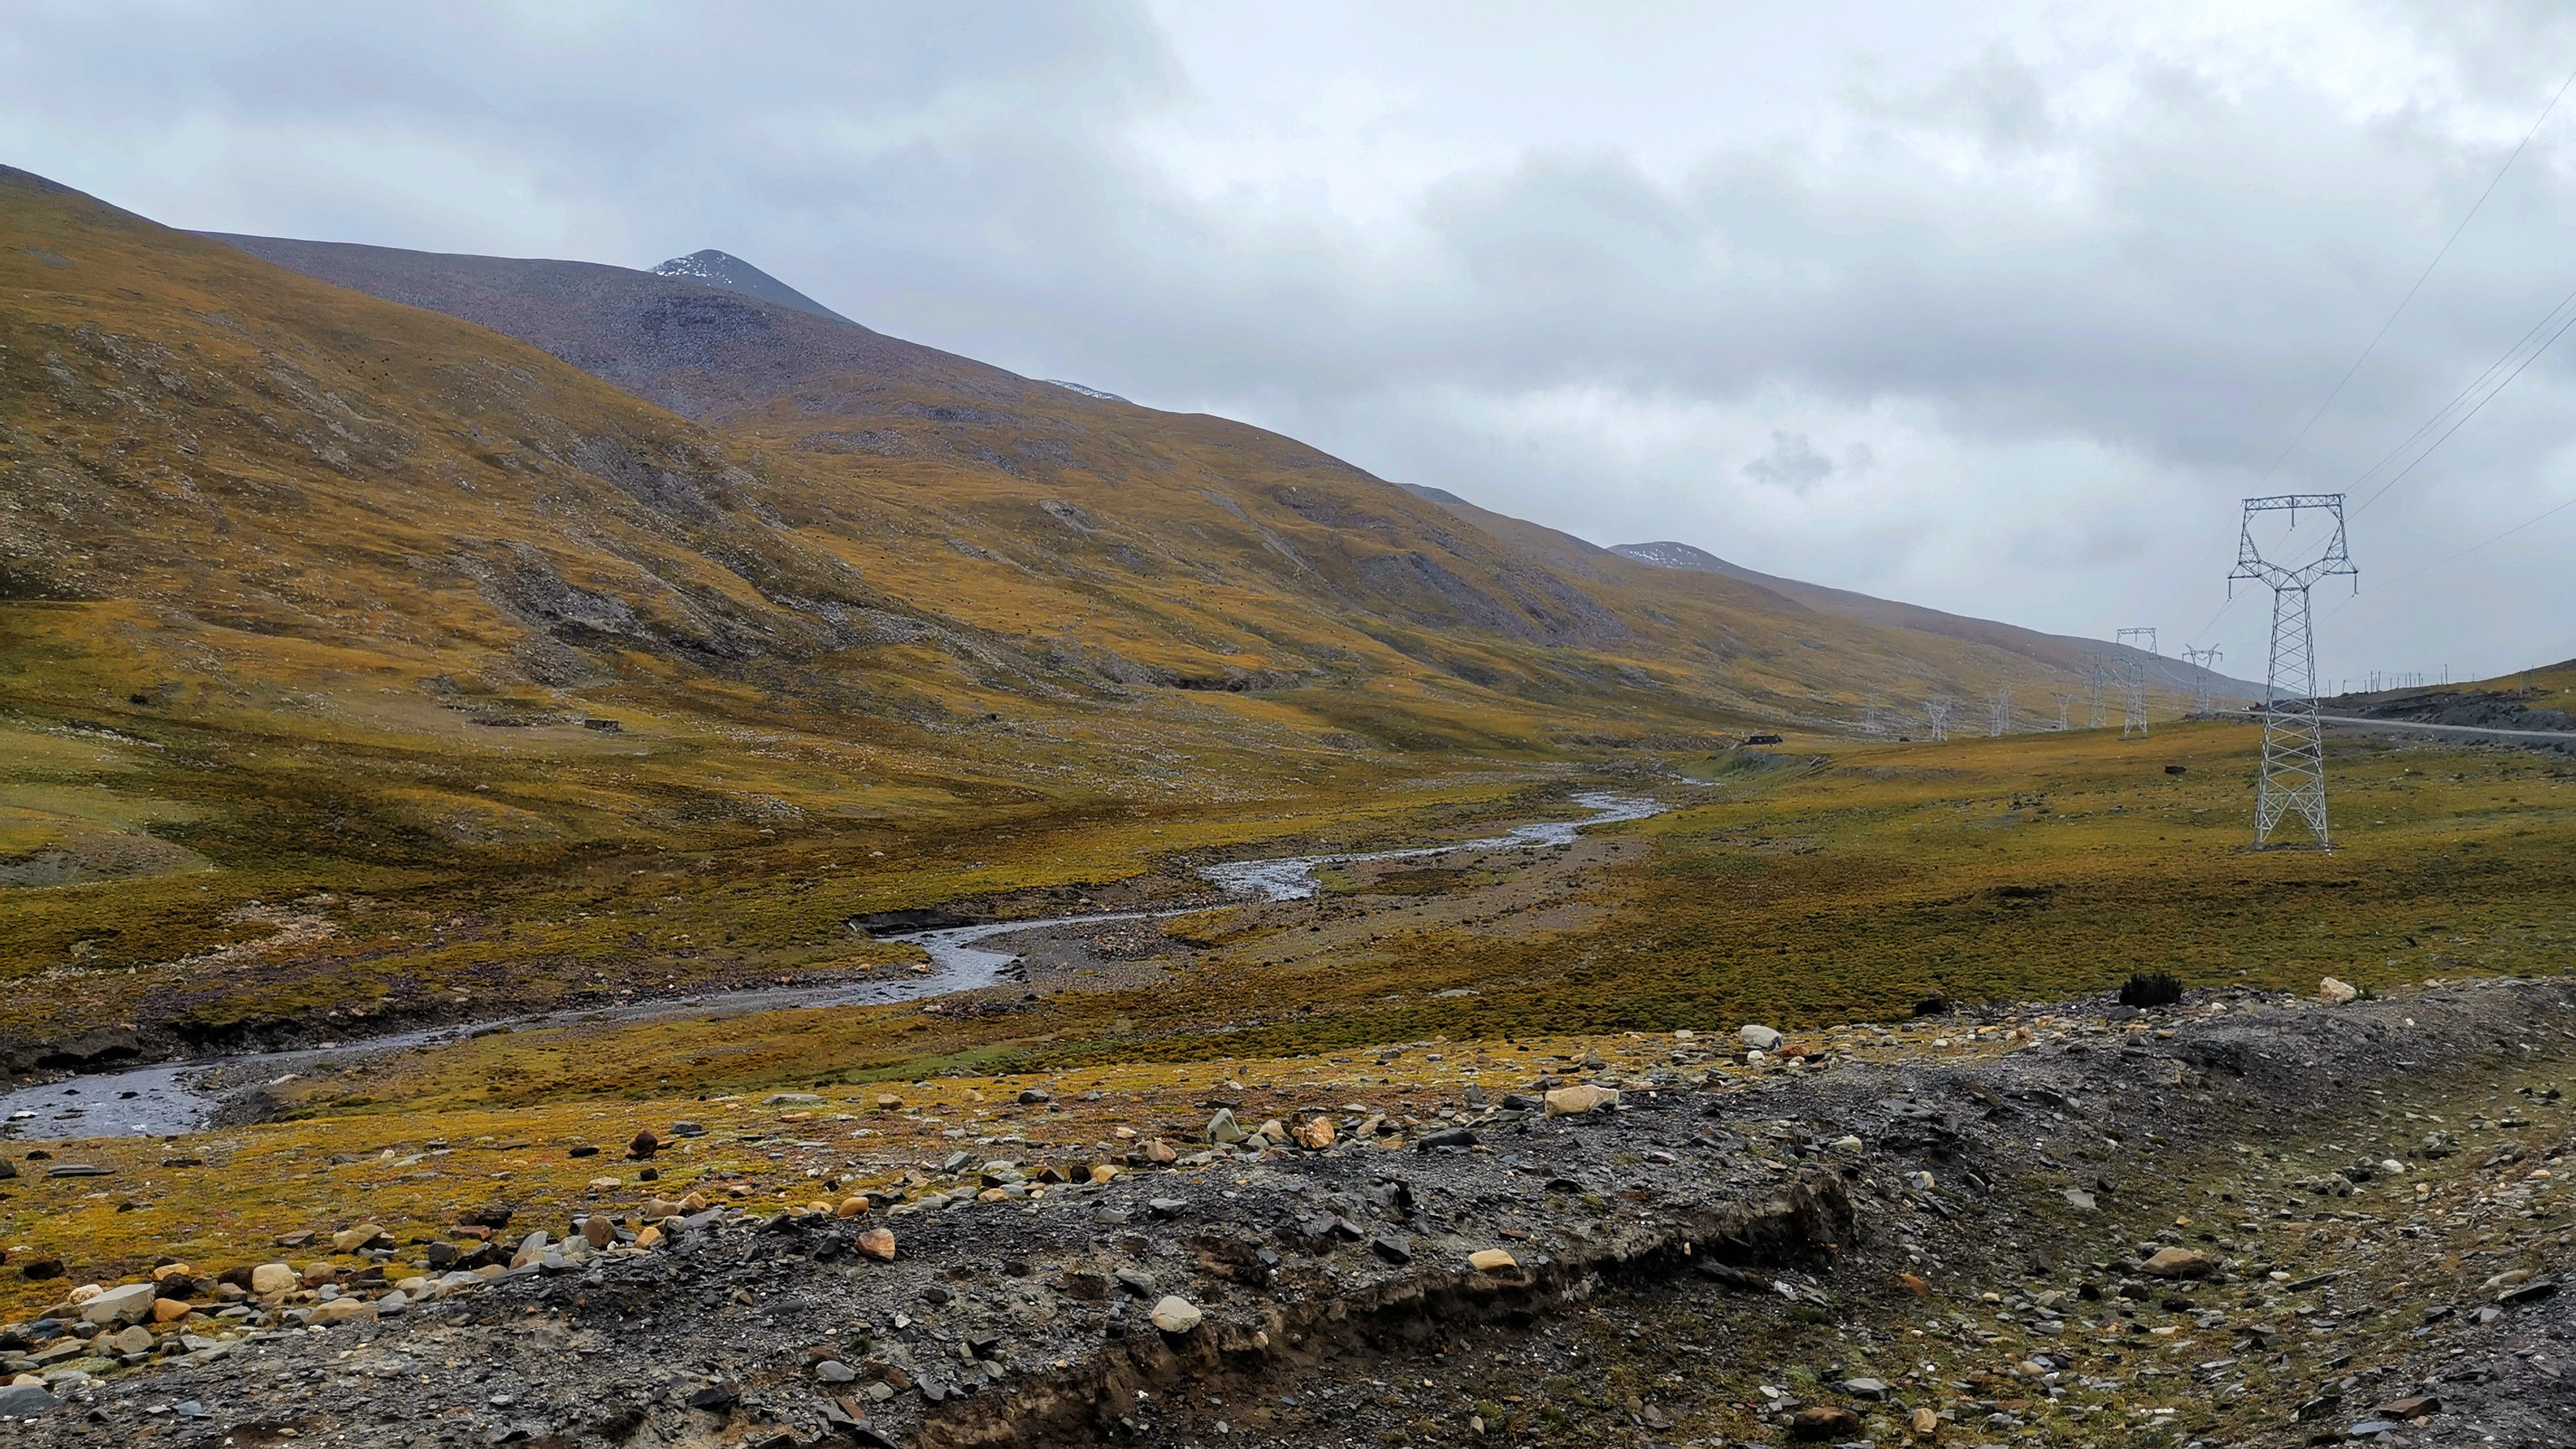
x=24 y=1401
x=118 y=1307
x=2179 y=1263
x=343 y=1310
x=274 y=1278
x=1315 y=1133
x=2337 y=993
x=1223 y=1130
x=877 y=1243
x=1492 y=1260
x=361 y=1237
x=1824 y=1421
x=1580 y=1098
x=851 y=1207
x=170 y=1310
x=1176 y=1314
x=1759 y=1038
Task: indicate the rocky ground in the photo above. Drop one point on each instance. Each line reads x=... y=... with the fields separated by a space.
x=2245 y=1219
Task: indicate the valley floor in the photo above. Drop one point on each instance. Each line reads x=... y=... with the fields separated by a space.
x=2249 y=1219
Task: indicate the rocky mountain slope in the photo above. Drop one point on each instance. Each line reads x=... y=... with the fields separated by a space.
x=708 y=268
x=850 y=401
x=2058 y=653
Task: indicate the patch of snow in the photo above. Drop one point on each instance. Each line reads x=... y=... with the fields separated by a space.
x=1085 y=391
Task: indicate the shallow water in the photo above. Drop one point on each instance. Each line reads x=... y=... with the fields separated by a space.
x=174 y=1098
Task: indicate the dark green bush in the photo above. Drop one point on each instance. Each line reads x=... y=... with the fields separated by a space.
x=2150 y=988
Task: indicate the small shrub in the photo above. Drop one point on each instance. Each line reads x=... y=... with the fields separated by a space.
x=2150 y=988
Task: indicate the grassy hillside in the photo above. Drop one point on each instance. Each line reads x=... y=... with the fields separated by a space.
x=1186 y=543
x=359 y=663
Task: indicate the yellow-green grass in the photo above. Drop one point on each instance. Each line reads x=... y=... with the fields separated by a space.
x=417 y=1173
x=1845 y=886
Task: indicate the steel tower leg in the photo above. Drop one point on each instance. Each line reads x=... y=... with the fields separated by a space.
x=2293 y=780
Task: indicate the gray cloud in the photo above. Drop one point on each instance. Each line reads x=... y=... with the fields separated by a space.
x=1792 y=463
x=2073 y=276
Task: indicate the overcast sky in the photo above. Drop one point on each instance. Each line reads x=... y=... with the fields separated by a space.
x=1999 y=309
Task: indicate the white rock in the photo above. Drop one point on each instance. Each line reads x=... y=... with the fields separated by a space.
x=118 y=1307
x=1760 y=1038
x=1176 y=1314
x=2336 y=993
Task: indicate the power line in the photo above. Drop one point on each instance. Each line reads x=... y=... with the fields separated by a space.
x=2542 y=516
x=2566 y=304
x=2376 y=337
x=2420 y=280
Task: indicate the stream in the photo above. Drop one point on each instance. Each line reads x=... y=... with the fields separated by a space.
x=174 y=1098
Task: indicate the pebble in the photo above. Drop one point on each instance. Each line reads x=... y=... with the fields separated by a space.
x=877 y=1243
x=1176 y=1314
x=833 y=1371
x=1315 y=1133
x=1492 y=1260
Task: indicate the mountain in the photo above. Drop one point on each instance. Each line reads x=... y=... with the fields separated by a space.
x=384 y=626
x=1066 y=504
x=712 y=268
x=2064 y=653
x=850 y=520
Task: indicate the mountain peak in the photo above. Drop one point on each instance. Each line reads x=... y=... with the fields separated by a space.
x=712 y=268
x=1670 y=555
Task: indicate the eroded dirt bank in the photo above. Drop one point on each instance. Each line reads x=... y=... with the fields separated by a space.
x=2244 y=1220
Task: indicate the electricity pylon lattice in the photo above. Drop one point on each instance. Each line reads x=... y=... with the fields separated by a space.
x=2133 y=712
x=2098 y=708
x=2206 y=660
x=2064 y=700
x=2293 y=777
x=1937 y=710
x=2002 y=721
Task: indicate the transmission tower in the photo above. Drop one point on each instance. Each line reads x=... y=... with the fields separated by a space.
x=2293 y=777
x=2099 y=713
x=2064 y=700
x=2206 y=660
x=1937 y=710
x=1869 y=724
x=2002 y=723
x=2133 y=712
